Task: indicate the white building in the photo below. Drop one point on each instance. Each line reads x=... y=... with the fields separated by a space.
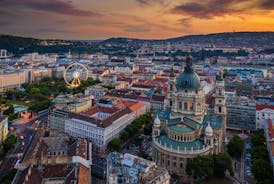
x=101 y=124
x=263 y=113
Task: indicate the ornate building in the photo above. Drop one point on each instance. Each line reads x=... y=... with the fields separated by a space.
x=183 y=129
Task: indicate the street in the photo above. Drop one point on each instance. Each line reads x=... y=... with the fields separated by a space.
x=24 y=133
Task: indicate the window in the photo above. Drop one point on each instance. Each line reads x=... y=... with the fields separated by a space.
x=171 y=87
x=185 y=106
x=170 y=103
x=198 y=106
x=181 y=165
x=180 y=105
x=174 y=164
x=220 y=109
x=191 y=105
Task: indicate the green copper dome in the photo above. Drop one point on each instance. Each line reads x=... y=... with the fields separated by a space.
x=188 y=80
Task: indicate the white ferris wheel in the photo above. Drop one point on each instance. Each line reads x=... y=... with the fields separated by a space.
x=74 y=74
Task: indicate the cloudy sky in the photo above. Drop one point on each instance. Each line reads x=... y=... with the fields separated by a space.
x=150 y=19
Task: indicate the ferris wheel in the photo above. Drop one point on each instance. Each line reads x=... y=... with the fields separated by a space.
x=74 y=74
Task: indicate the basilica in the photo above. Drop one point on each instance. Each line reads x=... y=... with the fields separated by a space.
x=184 y=129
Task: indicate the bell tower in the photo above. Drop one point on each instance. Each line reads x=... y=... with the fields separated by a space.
x=220 y=102
x=171 y=88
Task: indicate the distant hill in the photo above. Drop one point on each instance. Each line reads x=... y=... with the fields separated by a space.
x=14 y=43
x=249 y=39
x=20 y=45
x=254 y=39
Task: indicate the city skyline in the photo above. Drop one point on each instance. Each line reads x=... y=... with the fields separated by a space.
x=144 y=19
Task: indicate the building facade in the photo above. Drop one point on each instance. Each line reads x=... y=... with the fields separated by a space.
x=99 y=124
x=4 y=128
x=263 y=113
x=241 y=114
x=127 y=168
x=183 y=130
x=11 y=80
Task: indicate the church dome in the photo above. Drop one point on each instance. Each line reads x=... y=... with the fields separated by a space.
x=188 y=80
x=208 y=130
x=157 y=121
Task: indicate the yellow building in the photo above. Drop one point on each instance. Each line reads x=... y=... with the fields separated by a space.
x=4 y=128
x=11 y=80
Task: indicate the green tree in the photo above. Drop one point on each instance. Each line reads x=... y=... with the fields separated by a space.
x=9 y=143
x=235 y=146
x=222 y=162
x=259 y=152
x=200 y=167
x=261 y=169
x=124 y=135
x=115 y=144
x=258 y=137
x=10 y=110
x=34 y=90
x=143 y=154
x=148 y=129
x=8 y=177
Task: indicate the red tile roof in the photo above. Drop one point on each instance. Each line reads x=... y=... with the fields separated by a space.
x=261 y=107
x=133 y=106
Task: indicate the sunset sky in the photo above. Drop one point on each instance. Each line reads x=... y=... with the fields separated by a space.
x=150 y=19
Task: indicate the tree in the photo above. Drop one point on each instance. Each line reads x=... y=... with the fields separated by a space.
x=258 y=137
x=222 y=162
x=201 y=167
x=261 y=169
x=259 y=152
x=115 y=144
x=9 y=143
x=148 y=129
x=124 y=135
x=235 y=146
x=10 y=110
x=34 y=90
x=8 y=177
x=143 y=154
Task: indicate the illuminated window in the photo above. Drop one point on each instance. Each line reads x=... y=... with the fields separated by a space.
x=191 y=105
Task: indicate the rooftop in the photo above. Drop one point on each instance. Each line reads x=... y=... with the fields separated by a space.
x=164 y=140
x=215 y=121
x=180 y=128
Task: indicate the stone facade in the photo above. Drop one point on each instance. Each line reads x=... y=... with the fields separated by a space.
x=183 y=130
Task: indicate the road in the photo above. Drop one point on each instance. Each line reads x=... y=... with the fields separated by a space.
x=27 y=131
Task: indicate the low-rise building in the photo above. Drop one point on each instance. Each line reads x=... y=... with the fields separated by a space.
x=269 y=135
x=241 y=114
x=263 y=113
x=53 y=157
x=72 y=103
x=10 y=80
x=97 y=91
x=4 y=128
x=102 y=123
x=127 y=168
x=36 y=74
